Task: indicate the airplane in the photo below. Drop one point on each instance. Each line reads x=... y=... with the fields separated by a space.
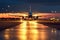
x=29 y=17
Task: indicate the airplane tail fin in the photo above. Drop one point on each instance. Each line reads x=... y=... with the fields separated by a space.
x=30 y=9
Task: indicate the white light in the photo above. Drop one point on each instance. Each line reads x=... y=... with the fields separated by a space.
x=8 y=6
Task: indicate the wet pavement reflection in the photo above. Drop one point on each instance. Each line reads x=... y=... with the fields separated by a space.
x=30 y=30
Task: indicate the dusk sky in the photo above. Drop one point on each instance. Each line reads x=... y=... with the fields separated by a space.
x=23 y=5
